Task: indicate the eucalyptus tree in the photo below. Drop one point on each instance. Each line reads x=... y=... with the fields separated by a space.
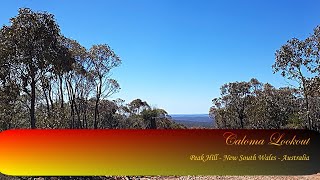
x=33 y=40
x=5 y=85
x=222 y=115
x=273 y=108
x=234 y=108
x=255 y=105
x=137 y=105
x=70 y=54
x=299 y=60
x=108 y=111
x=237 y=96
x=102 y=59
x=78 y=83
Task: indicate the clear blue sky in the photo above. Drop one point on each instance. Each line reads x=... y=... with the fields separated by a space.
x=176 y=54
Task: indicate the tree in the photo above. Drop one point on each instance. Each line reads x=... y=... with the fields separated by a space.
x=33 y=38
x=235 y=97
x=255 y=105
x=72 y=56
x=273 y=108
x=103 y=59
x=299 y=60
x=108 y=111
x=136 y=106
x=151 y=116
x=78 y=82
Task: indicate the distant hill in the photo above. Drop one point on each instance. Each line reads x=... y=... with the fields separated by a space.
x=193 y=120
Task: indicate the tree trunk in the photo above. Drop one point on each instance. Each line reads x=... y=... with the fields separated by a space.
x=96 y=109
x=153 y=123
x=306 y=96
x=61 y=92
x=241 y=121
x=308 y=113
x=70 y=95
x=72 y=115
x=241 y=115
x=33 y=100
x=50 y=96
x=77 y=112
x=96 y=113
x=47 y=102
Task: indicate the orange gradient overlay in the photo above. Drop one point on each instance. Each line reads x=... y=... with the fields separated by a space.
x=147 y=152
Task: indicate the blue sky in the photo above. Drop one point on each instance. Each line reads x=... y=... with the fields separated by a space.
x=176 y=54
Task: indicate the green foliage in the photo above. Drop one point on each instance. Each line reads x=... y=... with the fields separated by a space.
x=254 y=105
x=141 y=116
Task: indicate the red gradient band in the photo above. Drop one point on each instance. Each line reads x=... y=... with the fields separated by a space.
x=158 y=152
